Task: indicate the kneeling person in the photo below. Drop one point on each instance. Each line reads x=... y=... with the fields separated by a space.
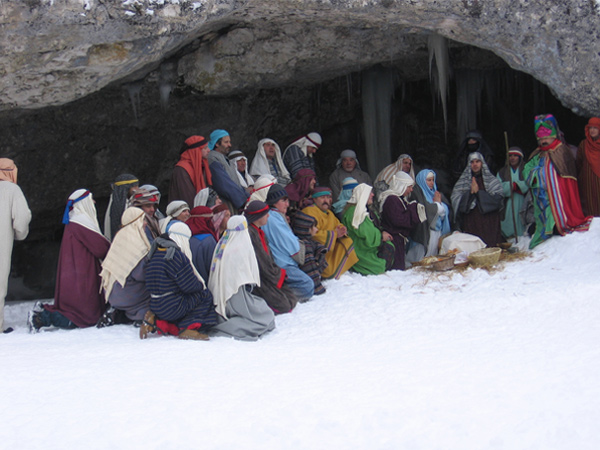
x=366 y=236
x=178 y=293
x=273 y=287
x=332 y=234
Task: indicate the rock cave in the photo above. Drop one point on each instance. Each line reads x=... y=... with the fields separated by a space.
x=90 y=89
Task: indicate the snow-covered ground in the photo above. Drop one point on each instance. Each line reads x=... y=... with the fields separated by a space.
x=504 y=359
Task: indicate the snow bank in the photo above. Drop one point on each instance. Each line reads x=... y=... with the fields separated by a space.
x=505 y=359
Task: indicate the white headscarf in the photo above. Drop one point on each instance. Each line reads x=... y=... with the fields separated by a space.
x=201 y=197
x=360 y=197
x=400 y=182
x=129 y=246
x=174 y=208
x=312 y=139
x=83 y=211
x=180 y=233
x=260 y=163
x=234 y=263
x=245 y=180
x=261 y=188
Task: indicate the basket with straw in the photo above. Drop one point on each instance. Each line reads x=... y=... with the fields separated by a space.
x=485 y=257
x=443 y=263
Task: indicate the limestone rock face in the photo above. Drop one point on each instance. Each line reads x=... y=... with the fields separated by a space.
x=54 y=52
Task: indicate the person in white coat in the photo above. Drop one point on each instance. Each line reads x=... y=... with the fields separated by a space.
x=14 y=224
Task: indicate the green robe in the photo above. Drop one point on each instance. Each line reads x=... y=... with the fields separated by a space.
x=367 y=240
x=507 y=225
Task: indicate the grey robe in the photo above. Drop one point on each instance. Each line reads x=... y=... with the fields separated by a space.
x=249 y=317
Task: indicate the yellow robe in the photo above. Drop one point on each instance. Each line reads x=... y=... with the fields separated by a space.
x=340 y=254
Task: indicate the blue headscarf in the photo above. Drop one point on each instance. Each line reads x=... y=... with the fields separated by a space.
x=349 y=184
x=215 y=136
x=421 y=179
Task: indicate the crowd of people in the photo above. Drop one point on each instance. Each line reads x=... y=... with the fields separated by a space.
x=241 y=243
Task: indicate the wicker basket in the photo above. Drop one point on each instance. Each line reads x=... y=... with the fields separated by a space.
x=444 y=263
x=485 y=256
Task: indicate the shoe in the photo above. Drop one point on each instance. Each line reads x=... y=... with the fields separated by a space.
x=148 y=324
x=8 y=330
x=107 y=319
x=193 y=335
x=34 y=320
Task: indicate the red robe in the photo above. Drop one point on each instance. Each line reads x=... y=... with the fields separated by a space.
x=77 y=295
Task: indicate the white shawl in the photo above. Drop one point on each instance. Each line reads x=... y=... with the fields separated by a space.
x=234 y=263
x=360 y=197
x=260 y=163
x=180 y=233
x=129 y=246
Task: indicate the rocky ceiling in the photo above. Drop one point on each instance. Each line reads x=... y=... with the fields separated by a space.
x=71 y=70
x=56 y=51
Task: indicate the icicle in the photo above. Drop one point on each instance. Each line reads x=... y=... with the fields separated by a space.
x=438 y=49
x=134 y=89
x=377 y=93
x=166 y=82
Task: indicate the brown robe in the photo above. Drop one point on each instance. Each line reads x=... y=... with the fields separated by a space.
x=273 y=287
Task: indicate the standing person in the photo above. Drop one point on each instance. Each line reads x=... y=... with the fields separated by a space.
x=426 y=235
x=399 y=216
x=191 y=174
x=123 y=271
x=233 y=275
x=267 y=161
x=514 y=189
x=77 y=298
x=552 y=177
x=122 y=189
x=299 y=154
x=473 y=142
x=366 y=236
x=332 y=234
x=477 y=199
x=273 y=287
x=224 y=177
x=347 y=166
x=14 y=224
x=239 y=162
x=588 y=168
x=404 y=163
x=180 y=303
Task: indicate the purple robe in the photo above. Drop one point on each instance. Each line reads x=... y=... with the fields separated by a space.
x=77 y=295
x=399 y=218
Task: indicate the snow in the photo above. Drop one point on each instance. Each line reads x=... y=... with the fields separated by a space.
x=502 y=359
